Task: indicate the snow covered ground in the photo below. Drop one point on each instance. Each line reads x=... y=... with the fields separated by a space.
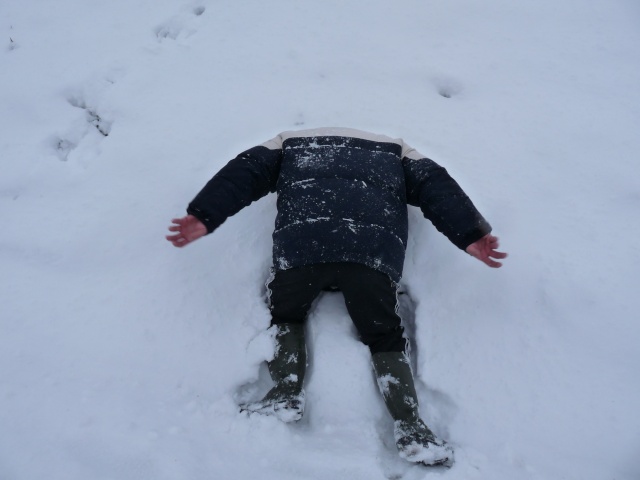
x=124 y=358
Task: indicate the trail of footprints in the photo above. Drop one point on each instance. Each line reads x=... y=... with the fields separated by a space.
x=178 y=27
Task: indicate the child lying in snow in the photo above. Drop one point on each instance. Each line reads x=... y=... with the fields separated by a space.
x=342 y=224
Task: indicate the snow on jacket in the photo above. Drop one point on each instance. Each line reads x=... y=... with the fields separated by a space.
x=342 y=197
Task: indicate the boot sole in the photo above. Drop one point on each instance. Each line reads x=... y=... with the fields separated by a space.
x=446 y=463
x=284 y=413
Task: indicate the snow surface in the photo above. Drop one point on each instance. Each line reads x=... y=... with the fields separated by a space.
x=123 y=358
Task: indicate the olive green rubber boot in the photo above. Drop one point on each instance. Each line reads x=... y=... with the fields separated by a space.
x=415 y=442
x=286 y=399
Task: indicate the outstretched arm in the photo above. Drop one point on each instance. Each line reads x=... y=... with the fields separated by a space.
x=188 y=229
x=246 y=178
x=485 y=249
x=443 y=202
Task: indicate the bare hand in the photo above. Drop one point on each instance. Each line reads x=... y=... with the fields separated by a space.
x=485 y=249
x=188 y=230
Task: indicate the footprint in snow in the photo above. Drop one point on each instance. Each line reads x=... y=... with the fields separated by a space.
x=91 y=120
x=447 y=87
x=102 y=125
x=179 y=26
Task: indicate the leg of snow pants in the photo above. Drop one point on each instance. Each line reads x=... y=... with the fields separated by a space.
x=372 y=302
x=291 y=294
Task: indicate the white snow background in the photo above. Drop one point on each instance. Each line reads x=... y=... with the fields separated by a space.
x=124 y=358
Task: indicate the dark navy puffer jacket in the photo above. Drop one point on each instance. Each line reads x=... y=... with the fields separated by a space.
x=342 y=197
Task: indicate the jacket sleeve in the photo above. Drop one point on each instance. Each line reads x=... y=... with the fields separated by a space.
x=248 y=177
x=443 y=202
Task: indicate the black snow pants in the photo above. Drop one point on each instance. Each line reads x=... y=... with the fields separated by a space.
x=370 y=298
